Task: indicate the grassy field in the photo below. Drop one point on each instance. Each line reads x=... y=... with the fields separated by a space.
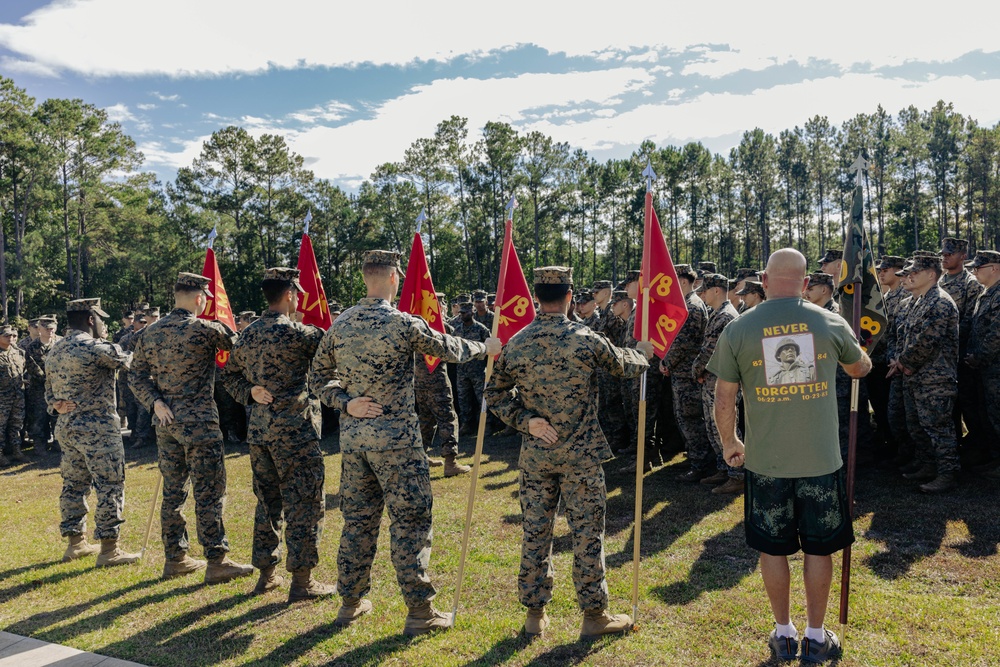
x=925 y=587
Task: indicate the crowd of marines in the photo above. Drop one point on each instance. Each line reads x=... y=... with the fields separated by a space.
x=930 y=407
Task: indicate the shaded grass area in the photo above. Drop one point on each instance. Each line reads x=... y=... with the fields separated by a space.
x=925 y=585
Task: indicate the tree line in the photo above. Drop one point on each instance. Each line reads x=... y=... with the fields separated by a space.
x=81 y=218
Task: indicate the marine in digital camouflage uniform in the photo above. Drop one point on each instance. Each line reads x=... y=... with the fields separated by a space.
x=436 y=411
x=364 y=367
x=482 y=314
x=268 y=369
x=879 y=387
x=984 y=342
x=964 y=290
x=139 y=419
x=678 y=363
x=928 y=360
x=587 y=311
x=12 y=371
x=611 y=405
x=41 y=425
x=896 y=313
x=545 y=386
x=471 y=375
x=714 y=291
x=80 y=388
x=173 y=376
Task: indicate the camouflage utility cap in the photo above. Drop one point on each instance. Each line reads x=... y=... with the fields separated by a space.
x=463 y=298
x=711 y=280
x=247 y=314
x=85 y=306
x=337 y=308
x=743 y=274
x=632 y=276
x=950 y=246
x=705 y=268
x=601 y=284
x=381 y=258
x=479 y=295
x=48 y=321
x=891 y=262
x=922 y=263
x=752 y=286
x=141 y=307
x=284 y=274
x=554 y=275
x=584 y=297
x=984 y=257
x=194 y=281
x=33 y=322
x=7 y=330
x=832 y=256
x=786 y=342
x=685 y=271
x=820 y=278
x=491 y=299
x=924 y=253
x=153 y=312
x=907 y=269
x=619 y=295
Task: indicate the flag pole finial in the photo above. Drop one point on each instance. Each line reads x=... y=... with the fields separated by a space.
x=859 y=165
x=649 y=174
x=511 y=205
x=421 y=218
x=212 y=234
x=309 y=217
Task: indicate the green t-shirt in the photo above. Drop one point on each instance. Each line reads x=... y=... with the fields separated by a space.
x=785 y=353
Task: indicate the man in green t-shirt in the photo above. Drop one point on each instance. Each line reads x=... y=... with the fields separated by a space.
x=785 y=353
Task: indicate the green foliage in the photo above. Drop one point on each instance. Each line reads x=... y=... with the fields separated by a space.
x=78 y=218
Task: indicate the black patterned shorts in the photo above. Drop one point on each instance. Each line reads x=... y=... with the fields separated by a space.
x=783 y=515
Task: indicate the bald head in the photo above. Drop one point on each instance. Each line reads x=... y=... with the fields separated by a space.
x=785 y=275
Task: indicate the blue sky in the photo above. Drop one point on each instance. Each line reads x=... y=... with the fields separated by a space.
x=351 y=86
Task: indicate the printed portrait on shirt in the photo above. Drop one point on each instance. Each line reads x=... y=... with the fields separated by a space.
x=790 y=359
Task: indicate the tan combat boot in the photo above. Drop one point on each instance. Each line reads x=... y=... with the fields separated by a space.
x=351 y=610
x=435 y=463
x=943 y=482
x=268 y=581
x=176 y=567
x=732 y=485
x=79 y=547
x=598 y=622
x=423 y=619
x=924 y=473
x=304 y=587
x=451 y=468
x=112 y=555
x=535 y=622
x=221 y=569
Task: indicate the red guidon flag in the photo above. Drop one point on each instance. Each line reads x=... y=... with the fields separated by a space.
x=218 y=307
x=312 y=304
x=418 y=296
x=667 y=308
x=514 y=307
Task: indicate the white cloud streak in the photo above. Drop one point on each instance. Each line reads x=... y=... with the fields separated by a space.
x=89 y=37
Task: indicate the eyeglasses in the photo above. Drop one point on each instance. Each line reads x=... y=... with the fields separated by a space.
x=983 y=266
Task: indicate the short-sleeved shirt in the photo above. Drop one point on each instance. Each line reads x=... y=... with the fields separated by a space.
x=785 y=353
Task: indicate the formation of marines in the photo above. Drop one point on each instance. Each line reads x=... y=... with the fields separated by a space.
x=934 y=398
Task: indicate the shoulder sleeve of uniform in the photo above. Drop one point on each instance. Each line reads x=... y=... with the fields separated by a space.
x=224 y=336
x=324 y=377
x=622 y=362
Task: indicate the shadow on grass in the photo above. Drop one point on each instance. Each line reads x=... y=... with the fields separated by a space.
x=502 y=651
x=174 y=640
x=724 y=562
x=6 y=574
x=573 y=653
x=8 y=594
x=895 y=505
x=33 y=625
x=376 y=652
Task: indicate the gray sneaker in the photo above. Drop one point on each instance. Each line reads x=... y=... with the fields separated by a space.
x=783 y=648
x=817 y=653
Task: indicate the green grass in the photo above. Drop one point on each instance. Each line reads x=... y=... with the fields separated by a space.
x=925 y=585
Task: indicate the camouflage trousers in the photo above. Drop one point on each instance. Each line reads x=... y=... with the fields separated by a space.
x=990 y=402
x=843 y=384
x=398 y=480
x=584 y=499
x=470 y=396
x=929 y=423
x=11 y=418
x=897 y=418
x=232 y=416
x=967 y=408
x=654 y=383
x=41 y=425
x=91 y=458
x=192 y=451
x=435 y=410
x=708 y=402
x=691 y=420
x=611 y=411
x=140 y=422
x=288 y=482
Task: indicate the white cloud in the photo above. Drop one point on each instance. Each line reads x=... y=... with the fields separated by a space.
x=119 y=113
x=330 y=112
x=145 y=107
x=90 y=36
x=29 y=67
x=165 y=98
